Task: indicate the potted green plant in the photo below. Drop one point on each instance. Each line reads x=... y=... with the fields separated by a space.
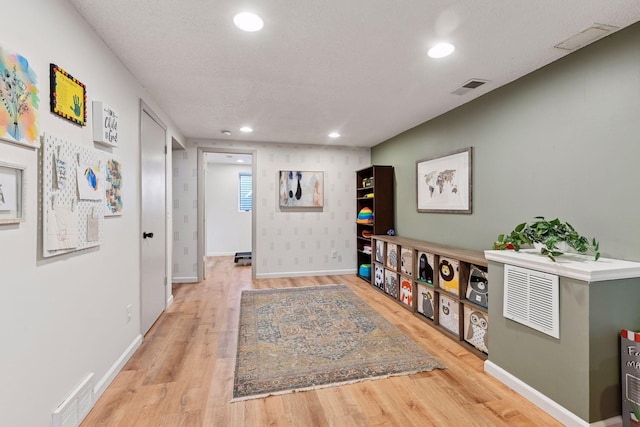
x=549 y=236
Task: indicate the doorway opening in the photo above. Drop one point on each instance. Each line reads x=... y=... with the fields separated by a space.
x=226 y=208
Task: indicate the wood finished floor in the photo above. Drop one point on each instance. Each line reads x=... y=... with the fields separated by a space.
x=182 y=375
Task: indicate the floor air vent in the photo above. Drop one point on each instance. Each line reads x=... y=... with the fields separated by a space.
x=532 y=298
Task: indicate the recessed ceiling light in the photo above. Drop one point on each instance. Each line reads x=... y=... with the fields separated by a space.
x=334 y=135
x=246 y=129
x=248 y=21
x=225 y=132
x=441 y=50
x=240 y=161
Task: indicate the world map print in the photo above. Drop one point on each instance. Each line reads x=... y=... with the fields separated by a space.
x=444 y=183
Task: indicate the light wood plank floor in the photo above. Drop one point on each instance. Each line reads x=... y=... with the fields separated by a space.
x=182 y=375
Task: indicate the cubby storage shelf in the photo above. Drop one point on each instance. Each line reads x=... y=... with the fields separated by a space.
x=431 y=280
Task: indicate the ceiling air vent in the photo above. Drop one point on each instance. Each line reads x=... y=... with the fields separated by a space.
x=532 y=298
x=591 y=34
x=470 y=85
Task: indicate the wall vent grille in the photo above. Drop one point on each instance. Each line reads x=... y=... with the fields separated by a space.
x=76 y=406
x=469 y=85
x=532 y=299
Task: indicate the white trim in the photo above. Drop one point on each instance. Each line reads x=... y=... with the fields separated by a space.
x=188 y=279
x=552 y=408
x=169 y=301
x=108 y=378
x=304 y=273
x=201 y=150
x=575 y=266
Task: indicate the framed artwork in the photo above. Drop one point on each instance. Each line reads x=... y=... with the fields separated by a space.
x=11 y=193
x=68 y=96
x=105 y=124
x=19 y=100
x=113 y=188
x=444 y=183
x=301 y=189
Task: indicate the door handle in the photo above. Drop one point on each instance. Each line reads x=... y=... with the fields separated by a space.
x=145 y=235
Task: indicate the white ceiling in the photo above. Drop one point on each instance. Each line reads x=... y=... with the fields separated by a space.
x=229 y=158
x=358 y=67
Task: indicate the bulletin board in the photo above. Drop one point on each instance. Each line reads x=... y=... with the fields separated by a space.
x=73 y=196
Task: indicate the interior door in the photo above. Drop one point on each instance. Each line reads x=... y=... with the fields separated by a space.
x=153 y=220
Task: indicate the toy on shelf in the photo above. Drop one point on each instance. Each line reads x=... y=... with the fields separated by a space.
x=365 y=216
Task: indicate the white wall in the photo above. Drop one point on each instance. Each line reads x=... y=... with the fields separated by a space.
x=228 y=229
x=64 y=317
x=288 y=243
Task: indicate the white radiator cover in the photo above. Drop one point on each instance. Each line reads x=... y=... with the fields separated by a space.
x=532 y=299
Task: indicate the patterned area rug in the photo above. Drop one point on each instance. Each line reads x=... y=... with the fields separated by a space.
x=306 y=338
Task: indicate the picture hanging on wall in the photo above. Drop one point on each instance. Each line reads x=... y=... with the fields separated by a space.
x=113 y=186
x=444 y=183
x=105 y=124
x=301 y=189
x=11 y=193
x=89 y=181
x=68 y=96
x=19 y=94
x=71 y=219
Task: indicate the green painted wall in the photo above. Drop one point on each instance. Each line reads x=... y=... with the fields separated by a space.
x=557 y=368
x=581 y=370
x=563 y=142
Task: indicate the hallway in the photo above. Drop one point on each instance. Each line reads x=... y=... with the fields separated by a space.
x=182 y=375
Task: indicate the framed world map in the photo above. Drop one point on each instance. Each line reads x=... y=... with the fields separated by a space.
x=444 y=183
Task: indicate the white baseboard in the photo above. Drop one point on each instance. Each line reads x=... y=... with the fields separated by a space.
x=552 y=408
x=188 y=279
x=222 y=253
x=108 y=378
x=169 y=301
x=304 y=273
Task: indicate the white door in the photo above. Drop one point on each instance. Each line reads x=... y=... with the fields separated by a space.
x=153 y=196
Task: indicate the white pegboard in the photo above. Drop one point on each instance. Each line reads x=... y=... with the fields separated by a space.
x=68 y=196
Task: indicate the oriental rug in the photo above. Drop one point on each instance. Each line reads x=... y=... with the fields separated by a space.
x=306 y=338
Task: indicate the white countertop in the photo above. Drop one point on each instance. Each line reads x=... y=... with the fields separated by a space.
x=576 y=266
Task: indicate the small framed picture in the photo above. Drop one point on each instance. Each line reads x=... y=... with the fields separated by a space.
x=68 y=96
x=11 y=193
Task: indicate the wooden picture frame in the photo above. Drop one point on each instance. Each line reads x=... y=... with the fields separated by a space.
x=11 y=193
x=443 y=183
x=68 y=96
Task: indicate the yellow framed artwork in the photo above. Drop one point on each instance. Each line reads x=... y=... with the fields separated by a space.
x=68 y=96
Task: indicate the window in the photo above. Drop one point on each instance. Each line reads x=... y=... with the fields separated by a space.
x=245 y=192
